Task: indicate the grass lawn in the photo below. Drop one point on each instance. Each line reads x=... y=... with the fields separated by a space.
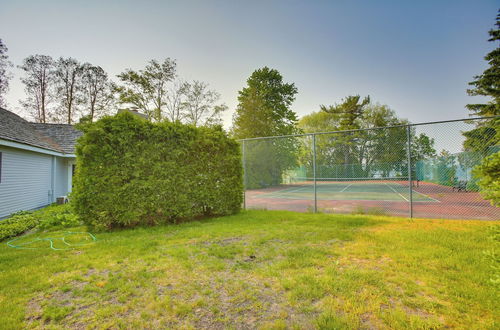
x=260 y=269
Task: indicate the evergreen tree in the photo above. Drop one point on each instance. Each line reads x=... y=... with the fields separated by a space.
x=487 y=133
x=349 y=113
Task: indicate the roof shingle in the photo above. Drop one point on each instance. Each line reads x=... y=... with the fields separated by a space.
x=55 y=137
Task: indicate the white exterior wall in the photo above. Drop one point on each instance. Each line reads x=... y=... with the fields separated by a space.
x=30 y=180
x=61 y=182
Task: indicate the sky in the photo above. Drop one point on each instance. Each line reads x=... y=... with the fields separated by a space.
x=417 y=57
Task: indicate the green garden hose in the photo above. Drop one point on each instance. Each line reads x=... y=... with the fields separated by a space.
x=51 y=240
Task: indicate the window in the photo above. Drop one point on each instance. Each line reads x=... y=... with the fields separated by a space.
x=0 y=167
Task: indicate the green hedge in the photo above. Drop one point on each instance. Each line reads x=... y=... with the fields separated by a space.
x=17 y=224
x=133 y=172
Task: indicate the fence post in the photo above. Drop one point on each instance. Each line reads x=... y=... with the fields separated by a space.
x=410 y=181
x=244 y=175
x=314 y=173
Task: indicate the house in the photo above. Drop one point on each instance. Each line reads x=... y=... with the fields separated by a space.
x=135 y=112
x=37 y=162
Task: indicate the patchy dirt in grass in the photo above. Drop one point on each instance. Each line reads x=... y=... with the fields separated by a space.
x=417 y=311
x=259 y=305
x=223 y=242
x=79 y=285
x=234 y=300
x=94 y=272
x=370 y=322
x=371 y=264
x=33 y=310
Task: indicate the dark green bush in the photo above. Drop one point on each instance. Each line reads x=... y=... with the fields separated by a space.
x=488 y=174
x=45 y=218
x=57 y=216
x=134 y=172
x=17 y=224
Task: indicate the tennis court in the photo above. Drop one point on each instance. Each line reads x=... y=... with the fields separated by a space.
x=391 y=190
x=418 y=170
x=390 y=197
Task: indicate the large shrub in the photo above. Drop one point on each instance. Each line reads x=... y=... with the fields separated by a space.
x=488 y=173
x=131 y=171
x=57 y=216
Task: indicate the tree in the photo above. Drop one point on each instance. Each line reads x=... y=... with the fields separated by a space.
x=147 y=89
x=348 y=113
x=446 y=168
x=467 y=160
x=264 y=110
x=264 y=106
x=97 y=90
x=5 y=75
x=200 y=107
x=366 y=153
x=174 y=100
x=69 y=86
x=487 y=84
x=421 y=150
x=489 y=178
x=38 y=84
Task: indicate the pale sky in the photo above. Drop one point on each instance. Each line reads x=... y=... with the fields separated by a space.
x=415 y=56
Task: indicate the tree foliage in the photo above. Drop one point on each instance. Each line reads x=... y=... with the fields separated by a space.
x=65 y=90
x=348 y=112
x=5 y=75
x=199 y=105
x=264 y=110
x=156 y=92
x=131 y=171
x=488 y=173
x=486 y=134
x=38 y=80
x=446 y=168
x=98 y=92
x=361 y=153
x=69 y=89
x=488 y=83
x=147 y=89
x=264 y=106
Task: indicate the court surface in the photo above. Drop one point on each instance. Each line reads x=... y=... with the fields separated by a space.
x=389 y=197
x=363 y=190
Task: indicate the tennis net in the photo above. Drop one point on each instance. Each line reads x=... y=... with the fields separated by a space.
x=400 y=181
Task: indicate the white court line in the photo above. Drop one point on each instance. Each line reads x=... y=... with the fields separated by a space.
x=422 y=195
x=345 y=188
x=427 y=196
x=283 y=194
x=397 y=192
x=287 y=190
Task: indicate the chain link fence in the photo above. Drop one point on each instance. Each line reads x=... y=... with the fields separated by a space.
x=416 y=170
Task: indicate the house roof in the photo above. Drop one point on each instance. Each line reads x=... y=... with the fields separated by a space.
x=134 y=112
x=63 y=134
x=56 y=137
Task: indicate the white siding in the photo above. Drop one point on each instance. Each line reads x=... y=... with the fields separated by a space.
x=61 y=182
x=26 y=181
